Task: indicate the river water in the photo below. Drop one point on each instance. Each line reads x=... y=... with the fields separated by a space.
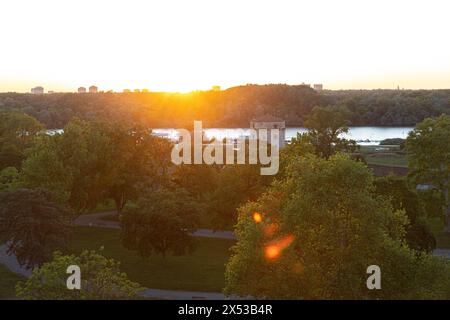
x=362 y=135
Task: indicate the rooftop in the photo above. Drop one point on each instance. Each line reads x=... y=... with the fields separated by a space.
x=267 y=118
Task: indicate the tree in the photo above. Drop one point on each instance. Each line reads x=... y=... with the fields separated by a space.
x=325 y=127
x=9 y=178
x=100 y=279
x=92 y=161
x=428 y=149
x=141 y=163
x=315 y=232
x=418 y=234
x=33 y=224
x=160 y=223
x=17 y=133
x=236 y=185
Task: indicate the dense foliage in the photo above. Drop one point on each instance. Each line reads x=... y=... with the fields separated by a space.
x=100 y=279
x=428 y=148
x=95 y=160
x=234 y=107
x=315 y=232
x=161 y=223
x=17 y=133
x=33 y=224
x=396 y=189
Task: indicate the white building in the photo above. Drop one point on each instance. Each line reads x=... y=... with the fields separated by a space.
x=270 y=122
x=93 y=89
x=37 y=90
x=318 y=87
x=81 y=90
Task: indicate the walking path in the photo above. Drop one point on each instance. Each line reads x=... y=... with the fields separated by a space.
x=10 y=262
x=442 y=253
x=95 y=220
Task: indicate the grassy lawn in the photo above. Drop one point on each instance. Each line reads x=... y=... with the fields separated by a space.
x=8 y=282
x=437 y=227
x=203 y=270
x=384 y=156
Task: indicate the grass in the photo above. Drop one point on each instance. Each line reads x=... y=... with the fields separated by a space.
x=442 y=238
x=8 y=282
x=384 y=156
x=203 y=270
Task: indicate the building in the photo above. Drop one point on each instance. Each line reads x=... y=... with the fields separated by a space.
x=81 y=90
x=37 y=90
x=93 y=89
x=270 y=122
x=318 y=87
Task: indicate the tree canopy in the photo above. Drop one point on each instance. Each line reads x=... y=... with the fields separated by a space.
x=17 y=133
x=33 y=225
x=428 y=149
x=100 y=279
x=315 y=232
x=161 y=223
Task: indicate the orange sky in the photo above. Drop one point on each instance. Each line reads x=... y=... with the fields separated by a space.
x=169 y=45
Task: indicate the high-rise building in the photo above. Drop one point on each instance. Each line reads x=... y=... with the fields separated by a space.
x=37 y=90
x=318 y=87
x=93 y=89
x=81 y=90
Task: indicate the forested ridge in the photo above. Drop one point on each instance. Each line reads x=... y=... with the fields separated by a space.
x=234 y=107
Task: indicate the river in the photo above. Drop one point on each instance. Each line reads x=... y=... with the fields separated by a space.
x=362 y=135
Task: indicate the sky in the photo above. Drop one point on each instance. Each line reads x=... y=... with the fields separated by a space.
x=184 y=45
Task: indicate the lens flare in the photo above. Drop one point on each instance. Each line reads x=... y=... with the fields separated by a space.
x=275 y=248
x=257 y=217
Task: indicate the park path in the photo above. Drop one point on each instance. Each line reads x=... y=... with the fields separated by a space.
x=10 y=262
x=95 y=220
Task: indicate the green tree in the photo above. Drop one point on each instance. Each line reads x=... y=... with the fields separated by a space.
x=325 y=126
x=33 y=224
x=17 y=133
x=92 y=161
x=9 y=179
x=100 y=279
x=236 y=185
x=161 y=223
x=315 y=232
x=428 y=151
x=418 y=234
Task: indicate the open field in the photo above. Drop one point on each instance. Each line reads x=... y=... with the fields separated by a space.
x=8 y=282
x=203 y=270
x=384 y=156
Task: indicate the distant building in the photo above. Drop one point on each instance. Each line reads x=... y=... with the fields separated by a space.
x=81 y=90
x=37 y=90
x=93 y=89
x=270 y=122
x=318 y=87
